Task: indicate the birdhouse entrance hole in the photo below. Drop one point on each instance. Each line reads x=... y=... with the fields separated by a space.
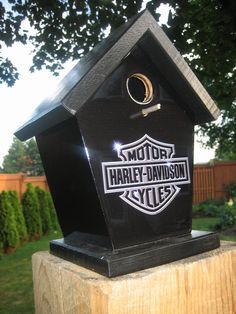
x=140 y=88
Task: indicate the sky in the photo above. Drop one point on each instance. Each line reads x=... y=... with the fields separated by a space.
x=17 y=103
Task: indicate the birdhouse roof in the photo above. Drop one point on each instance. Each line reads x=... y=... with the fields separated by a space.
x=91 y=71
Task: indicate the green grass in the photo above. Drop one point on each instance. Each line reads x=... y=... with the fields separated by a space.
x=227 y=238
x=207 y=224
x=16 y=286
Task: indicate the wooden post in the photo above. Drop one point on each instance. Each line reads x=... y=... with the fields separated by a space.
x=202 y=284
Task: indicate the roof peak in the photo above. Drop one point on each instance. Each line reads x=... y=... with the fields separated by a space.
x=90 y=72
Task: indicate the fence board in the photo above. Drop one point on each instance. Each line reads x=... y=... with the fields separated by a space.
x=203 y=183
x=225 y=173
x=209 y=180
x=18 y=182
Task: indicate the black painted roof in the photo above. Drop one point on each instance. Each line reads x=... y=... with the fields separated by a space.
x=91 y=71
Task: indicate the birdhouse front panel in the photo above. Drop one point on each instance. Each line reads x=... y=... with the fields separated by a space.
x=139 y=143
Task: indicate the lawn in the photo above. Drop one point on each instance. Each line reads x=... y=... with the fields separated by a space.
x=207 y=224
x=16 y=286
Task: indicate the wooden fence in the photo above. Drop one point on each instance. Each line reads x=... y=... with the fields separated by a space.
x=208 y=181
x=18 y=182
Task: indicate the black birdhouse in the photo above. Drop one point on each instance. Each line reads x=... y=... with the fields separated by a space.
x=116 y=143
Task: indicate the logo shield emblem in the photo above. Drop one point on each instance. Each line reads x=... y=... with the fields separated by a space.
x=147 y=175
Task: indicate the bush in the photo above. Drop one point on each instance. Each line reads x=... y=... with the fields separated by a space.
x=53 y=214
x=19 y=217
x=230 y=190
x=227 y=217
x=44 y=210
x=9 y=236
x=208 y=208
x=31 y=212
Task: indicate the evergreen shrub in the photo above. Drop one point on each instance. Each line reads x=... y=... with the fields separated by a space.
x=44 y=210
x=208 y=208
x=31 y=212
x=9 y=236
x=53 y=214
x=227 y=217
x=19 y=217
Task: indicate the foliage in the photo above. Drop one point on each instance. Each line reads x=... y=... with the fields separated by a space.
x=63 y=30
x=44 y=210
x=35 y=167
x=9 y=236
x=16 y=160
x=225 y=154
x=227 y=217
x=39 y=217
x=204 y=31
x=223 y=212
x=31 y=212
x=53 y=214
x=8 y=72
x=208 y=208
x=23 y=157
x=19 y=217
x=230 y=190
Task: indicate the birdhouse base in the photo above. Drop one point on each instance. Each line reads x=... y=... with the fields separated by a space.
x=93 y=252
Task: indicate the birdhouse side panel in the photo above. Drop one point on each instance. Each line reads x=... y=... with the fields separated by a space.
x=70 y=180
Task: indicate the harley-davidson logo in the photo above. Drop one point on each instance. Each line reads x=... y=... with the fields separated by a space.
x=147 y=174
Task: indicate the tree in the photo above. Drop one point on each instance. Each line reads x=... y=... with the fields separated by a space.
x=16 y=160
x=23 y=157
x=203 y=31
x=63 y=30
x=44 y=210
x=31 y=212
x=224 y=154
x=19 y=217
x=34 y=167
x=9 y=236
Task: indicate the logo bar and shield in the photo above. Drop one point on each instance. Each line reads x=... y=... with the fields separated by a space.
x=147 y=174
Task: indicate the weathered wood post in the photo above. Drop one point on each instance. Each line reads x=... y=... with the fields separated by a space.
x=116 y=143
x=201 y=284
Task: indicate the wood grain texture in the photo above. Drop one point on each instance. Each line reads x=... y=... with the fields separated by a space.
x=203 y=284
